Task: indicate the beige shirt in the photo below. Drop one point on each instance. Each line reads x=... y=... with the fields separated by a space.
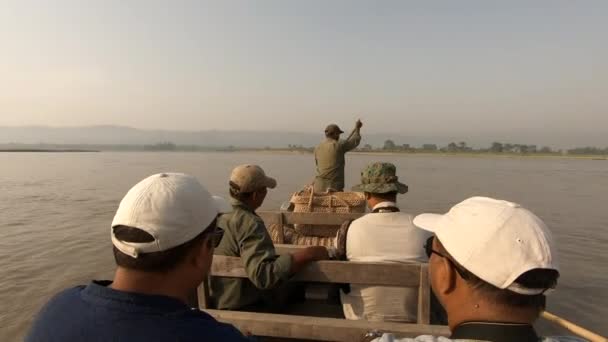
x=383 y=237
x=329 y=158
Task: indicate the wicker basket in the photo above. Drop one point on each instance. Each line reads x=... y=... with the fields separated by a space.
x=307 y=201
x=288 y=235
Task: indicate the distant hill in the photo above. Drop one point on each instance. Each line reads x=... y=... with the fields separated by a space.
x=120 y=135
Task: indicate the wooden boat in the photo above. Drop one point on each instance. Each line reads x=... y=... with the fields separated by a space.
x=316 y=325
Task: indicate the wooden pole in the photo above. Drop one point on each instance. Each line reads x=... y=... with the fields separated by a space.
x=573 y=328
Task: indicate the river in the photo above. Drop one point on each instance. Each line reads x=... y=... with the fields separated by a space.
x=56 y=210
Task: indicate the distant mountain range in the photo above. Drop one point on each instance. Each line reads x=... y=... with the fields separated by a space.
x=121 y=135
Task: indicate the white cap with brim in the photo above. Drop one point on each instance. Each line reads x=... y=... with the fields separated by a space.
x=172 y=207
x=495 y=240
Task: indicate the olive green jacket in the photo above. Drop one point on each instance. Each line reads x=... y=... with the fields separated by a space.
x=329 y=158
x=245 y=236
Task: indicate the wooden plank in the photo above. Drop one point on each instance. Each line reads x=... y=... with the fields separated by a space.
x=273 y=217
x=270 y=217
x=329 y=271
x=424 y=296
x=288 y=249
x=317 y=328
x=281 y=229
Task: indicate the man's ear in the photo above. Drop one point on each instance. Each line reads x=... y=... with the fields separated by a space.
x=446 y=276
x=203 y=254
x=256 y=195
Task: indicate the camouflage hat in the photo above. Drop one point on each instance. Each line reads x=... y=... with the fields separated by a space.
x=250 y=178
x=333 y=128
x=380 y=178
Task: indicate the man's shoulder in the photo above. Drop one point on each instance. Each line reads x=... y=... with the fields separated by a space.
x=422 y=338
x=429 y=338
x=562 y=339
x=64 y=299
x=371 y=219
x=201 y=326
x=329 y=142
x=62 y=307
x=239 y=217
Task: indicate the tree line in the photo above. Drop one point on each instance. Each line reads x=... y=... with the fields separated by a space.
x=495 y=147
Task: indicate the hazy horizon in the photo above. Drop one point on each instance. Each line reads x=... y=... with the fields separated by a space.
x=512 y=70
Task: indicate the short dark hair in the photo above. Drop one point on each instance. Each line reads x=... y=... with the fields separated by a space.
x=235 y=192
x=155 y=261
x=387 y=196
x=539 y=278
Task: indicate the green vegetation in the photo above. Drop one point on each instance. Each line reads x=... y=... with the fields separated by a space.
x=497 y=148
x=389 y=146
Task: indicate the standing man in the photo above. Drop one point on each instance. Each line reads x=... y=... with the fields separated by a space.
x=386 y=234
x=329 y=157
x=245 y=236
x=163 y=234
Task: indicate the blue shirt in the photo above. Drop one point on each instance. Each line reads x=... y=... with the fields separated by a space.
x=99 y=313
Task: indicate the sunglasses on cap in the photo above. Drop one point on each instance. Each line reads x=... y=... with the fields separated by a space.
x=215 y=236
x=428 y=248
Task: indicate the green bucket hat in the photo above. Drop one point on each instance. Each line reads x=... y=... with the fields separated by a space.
x=380 y=178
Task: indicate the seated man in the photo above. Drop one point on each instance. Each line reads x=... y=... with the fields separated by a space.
x=491 y=263
x=386 y=234
x=245 y=236
x=163 y=233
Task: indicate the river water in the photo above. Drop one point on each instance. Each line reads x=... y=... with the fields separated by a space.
x=56 y=209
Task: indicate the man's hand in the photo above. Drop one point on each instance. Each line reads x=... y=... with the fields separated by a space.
x=306 y=255
x=319 y=252
x=359 y=124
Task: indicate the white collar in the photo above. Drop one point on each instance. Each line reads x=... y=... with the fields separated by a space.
x=385 y=205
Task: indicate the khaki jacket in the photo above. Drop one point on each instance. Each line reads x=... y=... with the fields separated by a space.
x=245 y=236
x=329 y=158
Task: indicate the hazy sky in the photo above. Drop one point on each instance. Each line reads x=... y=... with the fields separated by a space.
x=432 y=67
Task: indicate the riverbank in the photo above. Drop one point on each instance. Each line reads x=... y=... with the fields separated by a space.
x=472 y=154
x=430 y=154
x=46 y=151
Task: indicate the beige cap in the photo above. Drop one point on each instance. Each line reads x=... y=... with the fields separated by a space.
x=250 y=178
x=172 y=207
x=496 y=240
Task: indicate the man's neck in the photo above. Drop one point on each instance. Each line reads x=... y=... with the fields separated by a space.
x=374 y=202
x=161 y=284
x=244 y=204
x=384 y=204
x=485 y=312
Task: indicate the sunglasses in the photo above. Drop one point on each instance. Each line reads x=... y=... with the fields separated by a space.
x=216 y=236
x=428 y=248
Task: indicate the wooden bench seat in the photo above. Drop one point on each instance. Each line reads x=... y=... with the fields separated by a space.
x=317 y=328
x=325 y=272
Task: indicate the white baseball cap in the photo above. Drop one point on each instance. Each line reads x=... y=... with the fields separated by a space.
x=495 y=240
x=172 y=207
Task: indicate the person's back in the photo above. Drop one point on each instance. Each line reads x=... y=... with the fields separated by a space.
x=330 y=160
x=163 y=236
x=246 y=236
x=99 y=313
x=385 y=235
